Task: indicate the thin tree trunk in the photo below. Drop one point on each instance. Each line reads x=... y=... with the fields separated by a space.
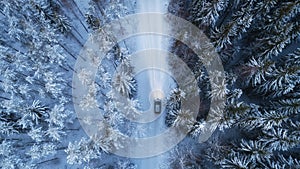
x=48 y=160
x=101 y=10
x=67 y=50
x=70 y=6
x=5 y=98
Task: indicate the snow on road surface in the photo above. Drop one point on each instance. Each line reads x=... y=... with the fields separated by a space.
x=152 y=81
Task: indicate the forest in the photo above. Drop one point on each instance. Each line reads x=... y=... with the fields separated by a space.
x=257 y=41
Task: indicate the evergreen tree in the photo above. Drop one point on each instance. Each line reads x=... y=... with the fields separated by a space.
x=258 y=42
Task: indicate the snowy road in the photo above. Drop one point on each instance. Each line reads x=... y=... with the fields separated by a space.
x=150 y=64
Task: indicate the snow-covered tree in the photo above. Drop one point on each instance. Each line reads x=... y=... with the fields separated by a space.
x=124 y=83
x=82 y=151
x=258 y=44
